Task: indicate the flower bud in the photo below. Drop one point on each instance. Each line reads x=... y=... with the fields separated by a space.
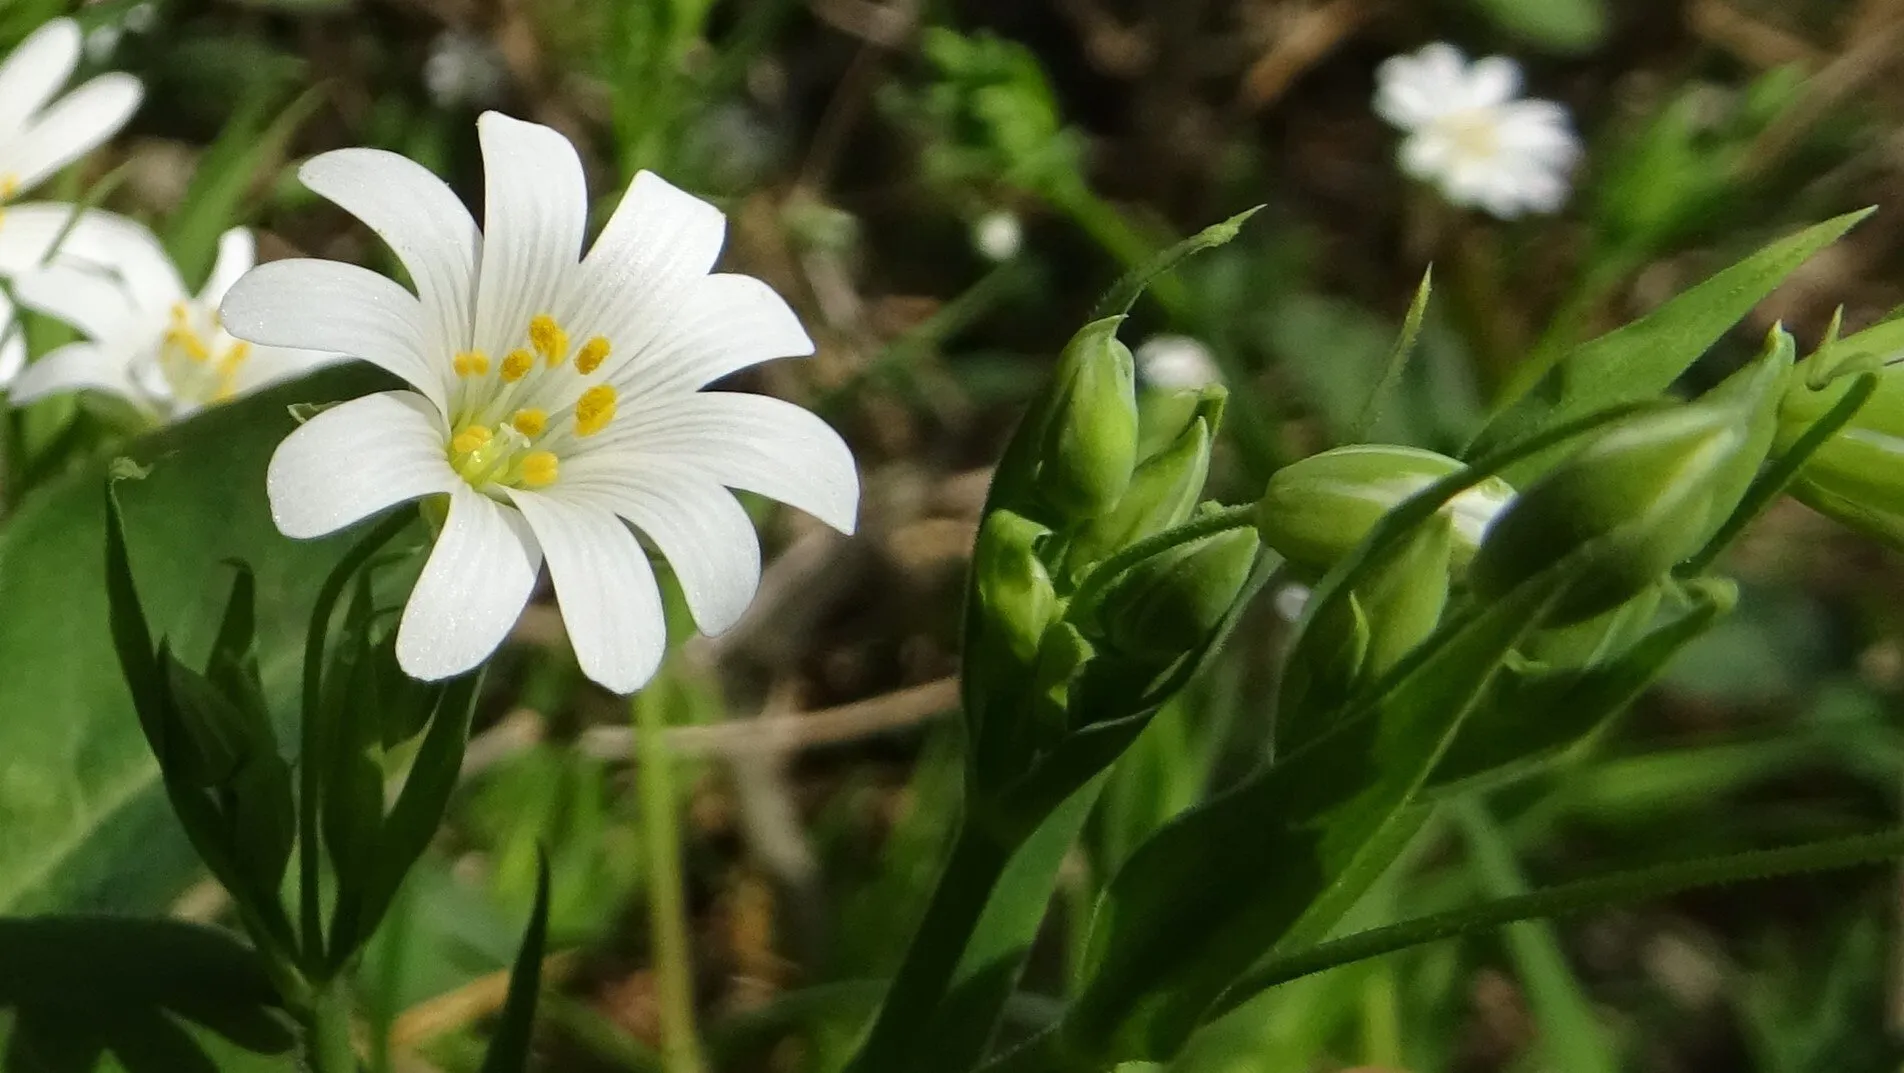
x=1754 y=394
x=1014 y=589
x=1167 y=605
x=1627 y=507
x=1090 y=442
x=1162 y=493
x=1857 y=475
x=1403 y=600
x=1317 y=510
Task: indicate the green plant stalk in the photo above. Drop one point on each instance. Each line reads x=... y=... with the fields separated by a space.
x=965 y=885
x=667 y=913
x=1101 y=575
x=327 y=1047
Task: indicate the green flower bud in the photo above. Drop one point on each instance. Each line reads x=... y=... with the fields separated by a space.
x=1629 y=505
x=1857 y=475
x=1014 y=589
x=1402 y=602
x=1754 y=395
x=1090 y=442
x=1167 y=605
x=1162 y=493
x=1317 y=510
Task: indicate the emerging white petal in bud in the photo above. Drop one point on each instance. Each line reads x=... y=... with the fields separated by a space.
x=1470 y=137
x=1291 y=601
x=1176 y=361
x=558 y=396
x=998 y=236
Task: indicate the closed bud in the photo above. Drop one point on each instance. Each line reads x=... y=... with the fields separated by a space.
x=1317 y=510
x=1754 y=396
x=1014 y=589
x=1857 y=475
x=1168 y=604
x=1403 y=600
x=1090 y=442
x=1162 y=493
x=1626 y=507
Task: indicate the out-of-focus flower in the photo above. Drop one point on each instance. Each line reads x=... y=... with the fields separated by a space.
x=464 y=70
x=104 y=40
x=554 y=400
x=1176 y=362
x=147 y=340
x=1472 y=137
x=40 y=135
x=998 y=236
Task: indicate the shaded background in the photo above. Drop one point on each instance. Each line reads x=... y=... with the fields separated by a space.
x=855 y=144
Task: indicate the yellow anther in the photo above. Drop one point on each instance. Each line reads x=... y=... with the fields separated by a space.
x=594 y=410
x=539 y=469
x=228 y=365
x=530 y=422
x=549 y=339
x=471 y=363
x=193 y=346
x=180 y=314
x=594 y=352
x=517 y=365
x=470 y=440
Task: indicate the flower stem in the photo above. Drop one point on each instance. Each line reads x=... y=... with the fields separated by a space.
x=977 y=861
x=327 y=1047
x=680 y=1047
x=1101 y=575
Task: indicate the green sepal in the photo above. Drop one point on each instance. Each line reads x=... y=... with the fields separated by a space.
x=1090 y=443
x=1167 y=605
x=1162 y=493
x=1403 y=599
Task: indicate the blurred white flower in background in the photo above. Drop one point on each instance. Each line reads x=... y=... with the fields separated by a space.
x=147 y=340
x=104 y=39
x=464 y=70
x=1176 y=361
x=998 y=236
x=554 y=400
x=1471 y=137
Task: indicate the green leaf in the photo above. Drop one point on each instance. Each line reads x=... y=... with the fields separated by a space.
x=509 y=1047
x=253 y=139
x=1536 y=713
x=1644 y=358
x=79 y=994
x=82 y=793
x=1295 y=844
x=1557 y=25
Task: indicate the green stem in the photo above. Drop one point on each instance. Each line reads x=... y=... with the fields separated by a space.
x=667 y=911
x=1101 y=576
x=1636 y=885
x=327 y=1046
x=977 y=861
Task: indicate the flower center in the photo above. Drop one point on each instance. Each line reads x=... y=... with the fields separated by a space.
x=197 y=362
x=514 y=420
x=1476 y=133
x=9 y=185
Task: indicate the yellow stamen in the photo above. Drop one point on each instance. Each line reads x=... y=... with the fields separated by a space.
x=549 y=339
x=471 y=363
x=193 y=346
x=517 y=365
x=228 y=365
x=594 y=352
x=8 y=187
x=594 y=410
x=530 y=422
x=471 y=439
x=538 y=469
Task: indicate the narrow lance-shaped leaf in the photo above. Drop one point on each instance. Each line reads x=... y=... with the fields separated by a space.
x=509 y=1047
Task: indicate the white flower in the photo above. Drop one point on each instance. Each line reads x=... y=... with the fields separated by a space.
x=1176 y=361
x=998 y=236
x=40 y=135
x=464 y=70
x=1471 y=137
x=554 y=400
x=146 y=339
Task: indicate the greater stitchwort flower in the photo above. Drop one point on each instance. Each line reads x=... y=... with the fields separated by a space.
x=146 y=339
x=40 y=135
x=1470 y=137
x=554 y=400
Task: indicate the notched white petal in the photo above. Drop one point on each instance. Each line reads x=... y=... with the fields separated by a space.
x=355 y=459
x=604 y=586
x=472 y=589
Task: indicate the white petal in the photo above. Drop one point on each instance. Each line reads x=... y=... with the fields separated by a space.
x=472 y=590
x=268 y=365
x=327 y=305
x=721 y=324
x=35 y=71
x=75 y=125
x=1491 y=81
x=535 y=210
x=605 y=587
x=36 y=234
x=237 y=254
x=356 y=459
x=76 y=367
x=420 y=219
x=750 y=442
x=658 y=239
x=1426 y=154
x=12 y=355
x=86 y=299
x=697 y=525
